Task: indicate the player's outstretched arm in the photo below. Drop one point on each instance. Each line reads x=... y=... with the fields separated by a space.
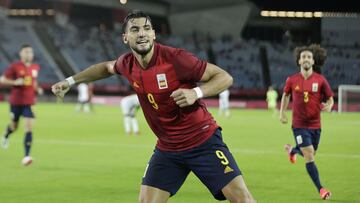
x=92 y=73
x=284 y=104
x=215 y=81
x=6 y=81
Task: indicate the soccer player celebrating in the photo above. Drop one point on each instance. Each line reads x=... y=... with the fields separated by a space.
x=129 y=105
x=307 y=89
x=22 y=76
x=164 y=78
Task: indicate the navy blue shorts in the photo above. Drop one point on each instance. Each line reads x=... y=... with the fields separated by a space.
x=20 y=110
x=211 y=162
x=306 y=137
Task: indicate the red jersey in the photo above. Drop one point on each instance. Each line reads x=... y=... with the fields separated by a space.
x=25 y=94
x=177 y=128
x=307 y=97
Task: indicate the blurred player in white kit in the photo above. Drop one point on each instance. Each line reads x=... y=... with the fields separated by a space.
x=129 y=106
x=83 y=104
x=224 y=103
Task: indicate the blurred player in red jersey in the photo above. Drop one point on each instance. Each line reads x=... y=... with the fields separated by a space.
x=189 y=140
x=307 y=90
x=22 y=76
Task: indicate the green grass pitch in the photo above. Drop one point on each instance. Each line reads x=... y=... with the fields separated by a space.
x=87 y=158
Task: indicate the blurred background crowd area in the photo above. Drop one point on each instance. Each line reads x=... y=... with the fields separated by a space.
x=252 y=40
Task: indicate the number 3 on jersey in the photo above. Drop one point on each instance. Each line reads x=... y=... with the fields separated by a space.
x=306 y=97
x=152 y=101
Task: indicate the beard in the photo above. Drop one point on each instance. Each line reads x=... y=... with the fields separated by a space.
x=143 y=52
x=307 y=66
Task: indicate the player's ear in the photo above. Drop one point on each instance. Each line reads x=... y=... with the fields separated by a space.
x=124 y=38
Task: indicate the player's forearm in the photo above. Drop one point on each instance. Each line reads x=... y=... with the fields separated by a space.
x=93 y=73
x=330 y=102
x=5 y=81
x=284 y=103
x=216 y=84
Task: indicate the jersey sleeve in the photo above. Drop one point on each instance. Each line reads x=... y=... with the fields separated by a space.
x=10 y=72
x=119 y=65
x=287 y=88
x=327 y=89
x=188 y=66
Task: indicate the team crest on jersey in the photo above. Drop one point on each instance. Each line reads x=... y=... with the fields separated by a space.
x=34 y=73
x=162 y=82
x=297 y=88
x=315 y=87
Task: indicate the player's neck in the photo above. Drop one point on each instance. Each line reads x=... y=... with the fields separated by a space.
x=306 y=74
x=144 y=60
x=27 y=63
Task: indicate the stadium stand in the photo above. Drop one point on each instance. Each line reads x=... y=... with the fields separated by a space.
x=18 y=32
x=82 y=44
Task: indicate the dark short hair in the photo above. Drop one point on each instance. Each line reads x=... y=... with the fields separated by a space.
x=134 y=14
x=23 y=46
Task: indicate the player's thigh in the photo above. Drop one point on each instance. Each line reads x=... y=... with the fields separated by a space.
x=315 y=135
x=308 y=153
x=125 y=108
x=237 y=190
x=29 y=124
x=29 y=117
x=132 y=111
x=214 y=165
x=150 y=194
x=165 y=172
x=15 y=113
x=302 y=137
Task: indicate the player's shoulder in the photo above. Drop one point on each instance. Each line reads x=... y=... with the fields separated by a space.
x=124 y=61
x=319 y=76
x=168 y=51
x=35 y=66
x=125 y=58
x=293 y=77
x=16 y=64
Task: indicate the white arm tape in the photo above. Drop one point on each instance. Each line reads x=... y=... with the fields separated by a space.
x=70 y=80
x=199 y=93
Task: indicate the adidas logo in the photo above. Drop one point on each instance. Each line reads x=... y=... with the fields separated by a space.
x=228 y=169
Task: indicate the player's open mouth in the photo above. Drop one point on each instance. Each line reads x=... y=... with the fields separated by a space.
x=142 y=42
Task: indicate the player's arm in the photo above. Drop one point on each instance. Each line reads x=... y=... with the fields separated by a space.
x=92 y=73
x=215 y=81
x=6 y=81
x=283 y=106
x=328 y=105
x=329 y=94
x=38 y=89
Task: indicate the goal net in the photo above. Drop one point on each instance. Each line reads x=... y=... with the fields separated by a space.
x=349 y=98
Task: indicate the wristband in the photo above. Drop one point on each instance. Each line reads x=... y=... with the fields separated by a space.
x=199 y=93
x=70 y=80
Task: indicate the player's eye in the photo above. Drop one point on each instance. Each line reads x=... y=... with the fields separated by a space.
x=134 y=30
